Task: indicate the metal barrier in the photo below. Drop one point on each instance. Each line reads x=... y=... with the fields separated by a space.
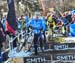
x=44 y=61
x=11 y=41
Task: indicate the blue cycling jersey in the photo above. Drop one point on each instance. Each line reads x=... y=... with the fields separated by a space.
x=37 y=25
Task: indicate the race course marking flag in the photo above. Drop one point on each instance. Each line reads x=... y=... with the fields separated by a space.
x=11 y=24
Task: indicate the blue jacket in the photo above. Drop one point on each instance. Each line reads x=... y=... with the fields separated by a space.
x=4 y=24
x=26 y=19
x=72 y=30
x=36 y=25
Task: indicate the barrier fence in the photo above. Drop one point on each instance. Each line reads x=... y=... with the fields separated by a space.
x=56 y=53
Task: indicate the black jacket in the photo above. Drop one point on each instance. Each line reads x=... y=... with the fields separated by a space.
x=2 y=38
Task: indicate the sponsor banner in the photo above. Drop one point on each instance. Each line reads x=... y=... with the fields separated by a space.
x=65 y=57
x=40 y=59
x=48 y=56
x=69 y=40
x=65 y=40
x=37 y=59
x=64 y=46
